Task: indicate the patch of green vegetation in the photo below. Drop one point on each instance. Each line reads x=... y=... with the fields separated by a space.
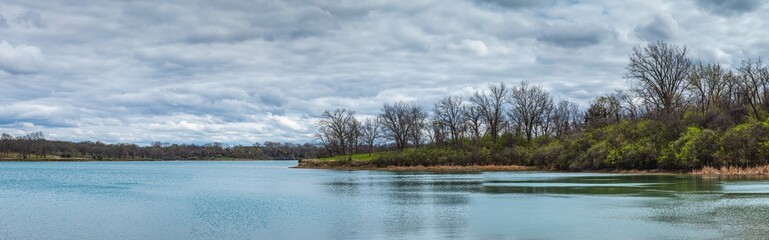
x=354 y=157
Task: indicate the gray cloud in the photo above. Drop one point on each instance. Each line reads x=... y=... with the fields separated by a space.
x=661 y=28
x=31 y=19
x=516 y=4
x=245 y=71
x=729 y=8
x=574 y=36
x=3 y=22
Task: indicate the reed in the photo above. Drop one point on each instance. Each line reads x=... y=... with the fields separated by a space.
x=758 y=170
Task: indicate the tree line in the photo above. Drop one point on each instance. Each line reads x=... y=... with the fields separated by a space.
x=678 y=113
x=523 y=110
x=35 y=146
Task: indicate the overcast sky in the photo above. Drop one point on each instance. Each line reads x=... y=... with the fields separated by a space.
x=240 y=72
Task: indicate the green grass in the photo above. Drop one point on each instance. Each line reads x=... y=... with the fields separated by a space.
x=17 y=156
x=355 y=157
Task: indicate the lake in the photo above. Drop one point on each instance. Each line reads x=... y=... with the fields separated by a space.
x=270 y=200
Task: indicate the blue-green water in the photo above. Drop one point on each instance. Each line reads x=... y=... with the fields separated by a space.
x=270 y=200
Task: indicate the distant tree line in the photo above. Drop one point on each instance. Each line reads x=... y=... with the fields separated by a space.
x=679 y=113
x=34 y=145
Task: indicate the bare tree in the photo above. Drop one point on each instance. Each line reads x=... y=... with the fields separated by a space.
x=530 y=107
x=473 y=121
x=660 y=73
x=418 y=117
x=337 y=130
x=353 y=135
x=28 y=143
x=709 y=86
x=754 y=77
x=602 y=111
x=371 y=131
x=450 y=113
x=397 y=123
x=566 y=118
x=6 y=144
x=491 y=107
x=437 y=132
x=628 y=104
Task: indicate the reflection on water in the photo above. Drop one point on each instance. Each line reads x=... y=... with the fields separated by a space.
x=269 y=200
x=676 y=205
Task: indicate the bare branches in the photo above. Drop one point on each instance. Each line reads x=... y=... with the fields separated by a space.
x=450 y=113
x=753 y=81
x=566 y=118
x=403 y=122
x=338 y=130
x=491 y=107
x=371 y=131
x=530 y=110
x=660 y=73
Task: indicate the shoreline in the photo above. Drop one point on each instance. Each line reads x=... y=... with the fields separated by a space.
x=135 y=160
x=762 y=171
x=358 y=166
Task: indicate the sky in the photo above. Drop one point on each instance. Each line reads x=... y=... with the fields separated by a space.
x=240 y=72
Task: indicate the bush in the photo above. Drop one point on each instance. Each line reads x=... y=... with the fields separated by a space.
x=694 y=149
x=548 y=155
x=745 y=145
x=516 y=155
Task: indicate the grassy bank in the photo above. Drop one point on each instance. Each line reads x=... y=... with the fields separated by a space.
x=343 y=164
x=38 y=158
x=355 y=157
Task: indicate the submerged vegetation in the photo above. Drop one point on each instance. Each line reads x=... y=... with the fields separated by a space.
x=679 y=114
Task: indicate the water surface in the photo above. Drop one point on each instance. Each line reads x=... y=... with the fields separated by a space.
x=270 y=200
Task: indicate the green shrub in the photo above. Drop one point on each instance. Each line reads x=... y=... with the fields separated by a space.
x=744 y=145
x=694 y=149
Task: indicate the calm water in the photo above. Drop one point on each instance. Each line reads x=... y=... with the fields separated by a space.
x=269 y=200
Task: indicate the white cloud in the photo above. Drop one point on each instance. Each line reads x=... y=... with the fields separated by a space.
x=474 y=46
x=21 y=59
x=246 y=71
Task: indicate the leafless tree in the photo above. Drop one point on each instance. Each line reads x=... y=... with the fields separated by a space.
x=418 y=118
x=530 y=108
x=28 y=143
x=403 y=122
x=450 y=113
x=602 y=111
x=709 y=87
x=660 y=73
x=371 y=131
x=491 y=107
x=353 y=135
x=566 y=118
x=629 y=105
x=473 y=121
x=6 y=144
x=754 y=77
x=337 y=130
x=437 y=132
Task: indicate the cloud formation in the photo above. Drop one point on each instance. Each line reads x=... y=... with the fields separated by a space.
x=661 y=28
x=20 y=59
x=730 y=8
x=245 y=71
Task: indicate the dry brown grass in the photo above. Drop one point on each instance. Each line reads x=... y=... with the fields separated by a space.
x=451 y=168
x=760 y=170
